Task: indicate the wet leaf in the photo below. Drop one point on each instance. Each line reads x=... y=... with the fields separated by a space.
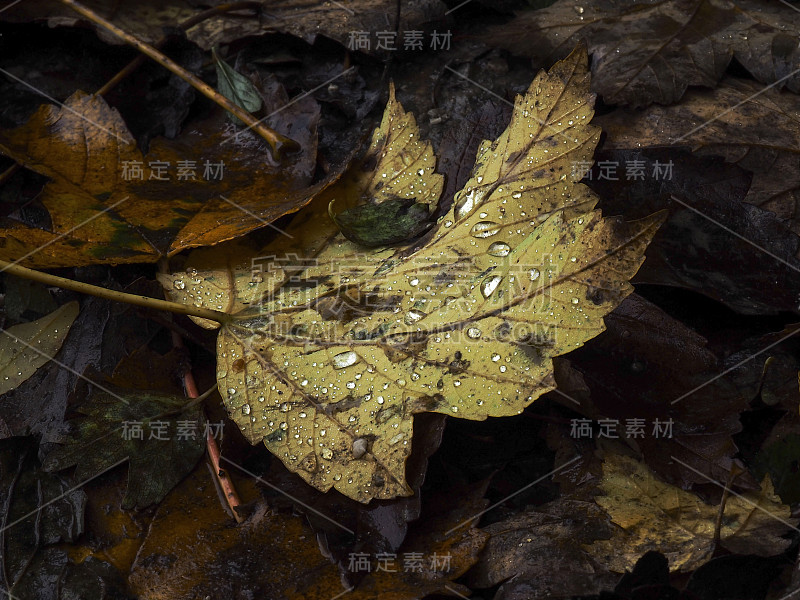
x=109 y=203
x=19 y=358
x=236 y=87
x=381 y=525
x=333 y=349
x=653 y=515
x=638 y=367
x=539 y=551
x=645 y=52
x=387 y=197
x=161 y=454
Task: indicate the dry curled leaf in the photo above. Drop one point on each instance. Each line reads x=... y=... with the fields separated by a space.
x=109 y=203
x=334 y=349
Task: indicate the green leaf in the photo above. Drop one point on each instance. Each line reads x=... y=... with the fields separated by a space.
x=236 y=87
x=18 y=358
x=390 y=222
x=104 y=436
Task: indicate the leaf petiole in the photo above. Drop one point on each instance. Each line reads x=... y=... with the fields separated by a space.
x=93 y=290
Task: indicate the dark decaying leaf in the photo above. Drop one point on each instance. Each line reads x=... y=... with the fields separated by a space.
x=539 y=551
x=651 y=51
x=713 y=242
x=101 y=336
x=297 y=17
x=168 y=98
x=780 y=460
x=54 y=576
x=159 y=455
x=390 y=222
x=759 y=130
x=638 y=367
x=738 y=577
x=39 y=508
x=22 y=295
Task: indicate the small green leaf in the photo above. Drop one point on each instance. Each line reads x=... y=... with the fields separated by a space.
x=236 y=87
x=26 y=347
x=390 y=222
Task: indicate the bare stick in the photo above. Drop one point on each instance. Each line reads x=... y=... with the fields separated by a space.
x=278 y=143
x=187 y=24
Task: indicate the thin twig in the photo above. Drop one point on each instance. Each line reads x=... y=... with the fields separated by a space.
x=100 y=292
x=221 y=476
x=278 y=143
x=187 y=24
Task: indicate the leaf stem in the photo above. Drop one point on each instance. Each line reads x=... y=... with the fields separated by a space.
x=100 y=292
x=279 y=144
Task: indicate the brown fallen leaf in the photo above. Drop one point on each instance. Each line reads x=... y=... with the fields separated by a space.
x=193 y=550
x=759 y=131
x=653 y=515
x=646 y=52
x=108 y=205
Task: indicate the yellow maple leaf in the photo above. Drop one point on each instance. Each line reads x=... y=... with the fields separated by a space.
x=334 y=347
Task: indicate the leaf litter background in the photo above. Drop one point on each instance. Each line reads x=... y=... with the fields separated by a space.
x=710 y=321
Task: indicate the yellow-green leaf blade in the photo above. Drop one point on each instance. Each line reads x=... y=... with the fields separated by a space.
x=336 y=347
x=26 y=347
